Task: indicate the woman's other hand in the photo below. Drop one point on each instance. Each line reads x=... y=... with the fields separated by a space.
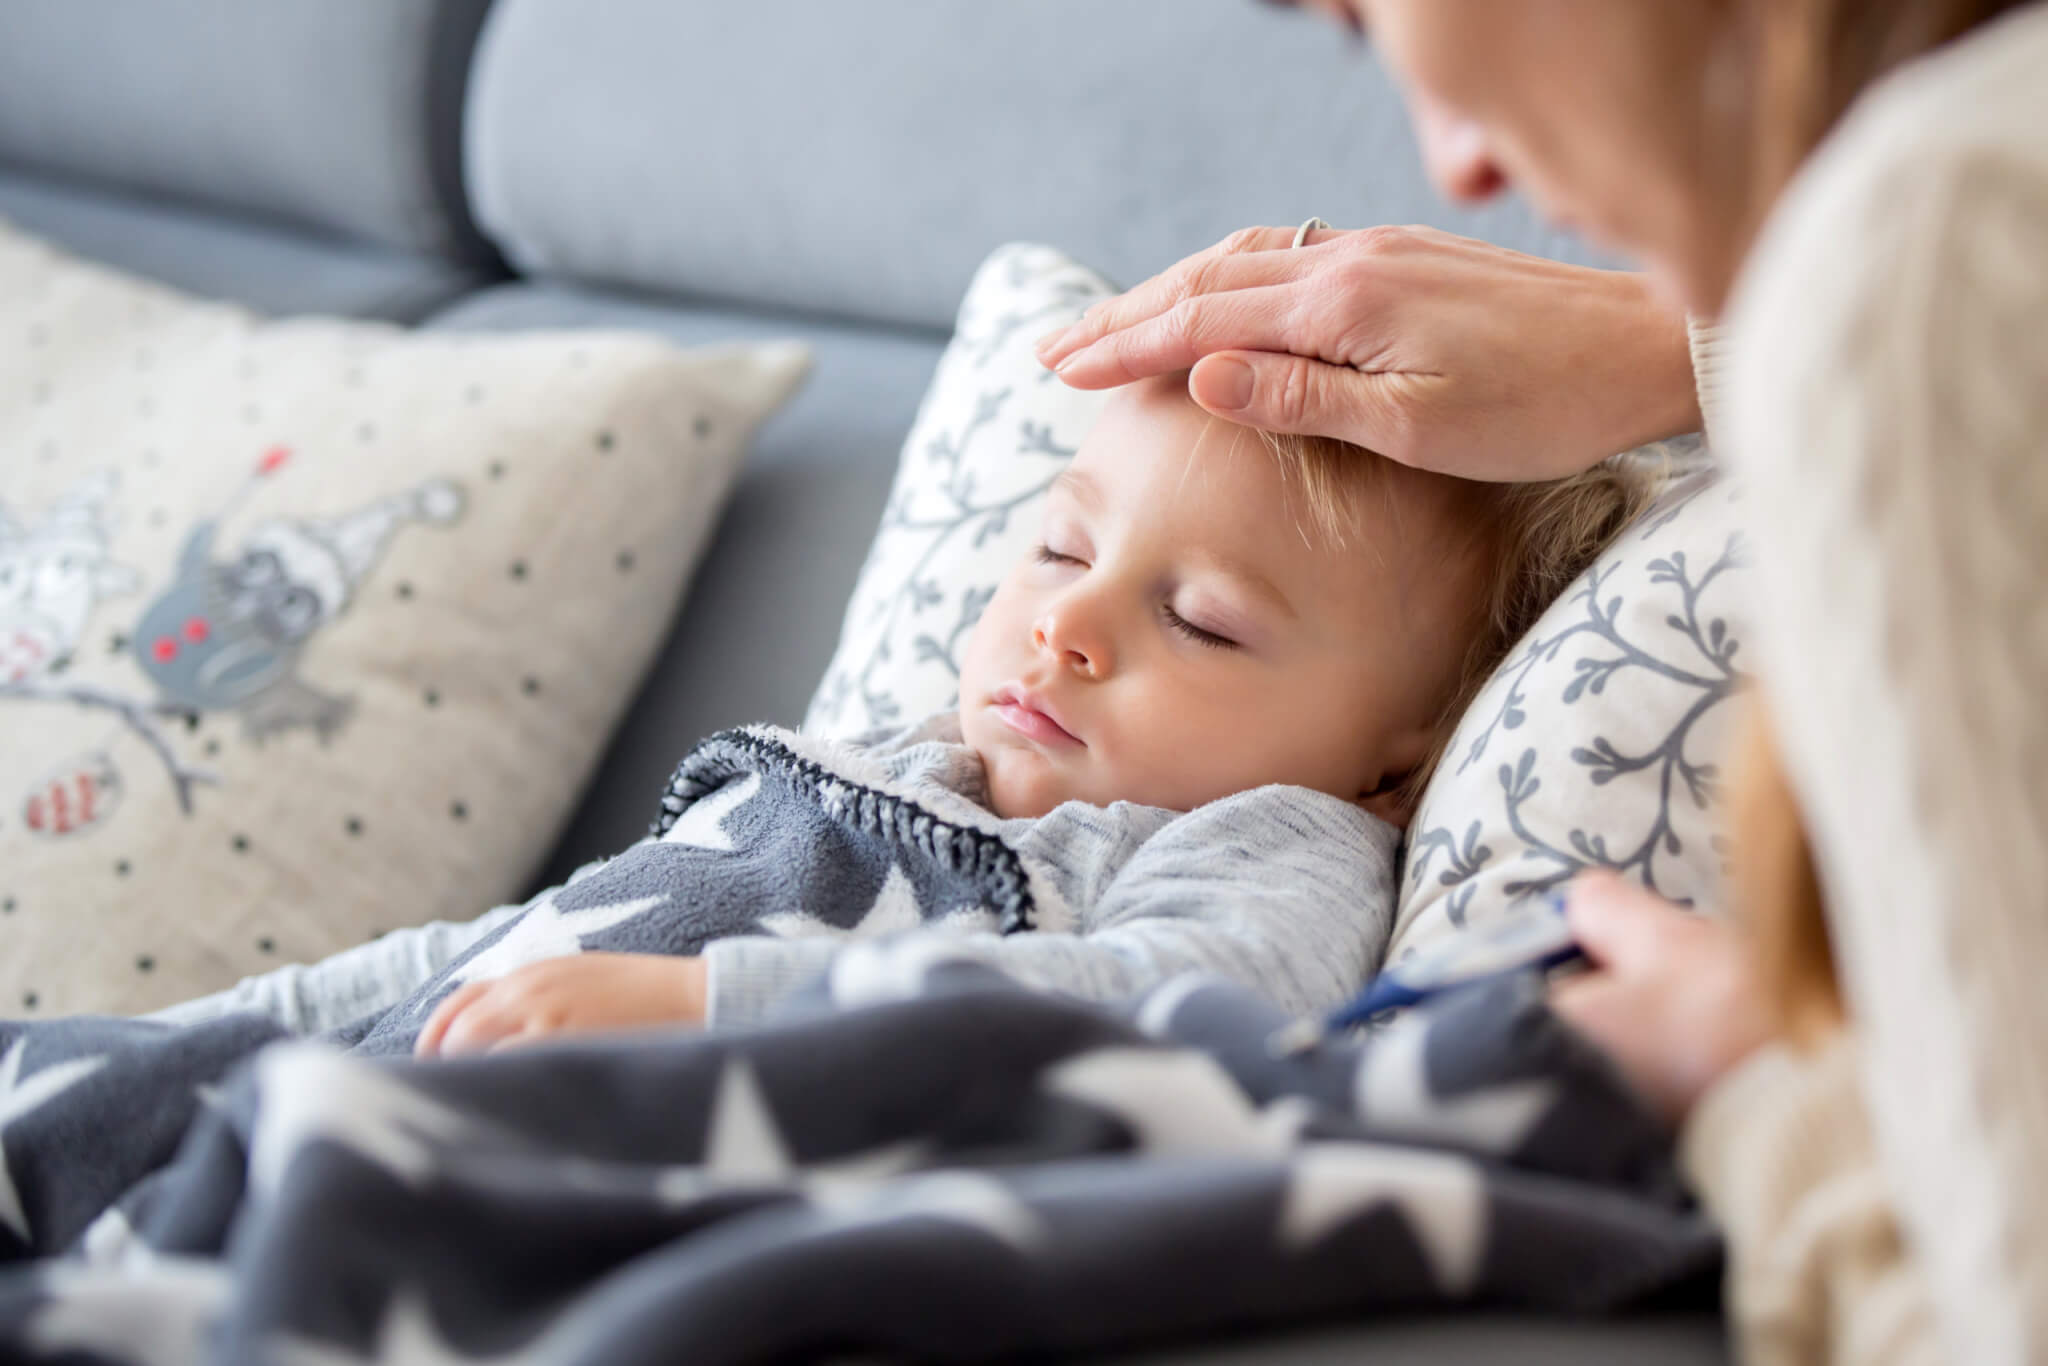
x=581 y=994
x=1435 y=350
x=1672 y=996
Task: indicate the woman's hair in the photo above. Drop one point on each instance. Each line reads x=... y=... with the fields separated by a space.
x=1524 y=544
x=1812 y=58
x=1778 y=888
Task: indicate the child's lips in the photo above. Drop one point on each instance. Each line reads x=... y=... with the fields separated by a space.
x=1029 y=715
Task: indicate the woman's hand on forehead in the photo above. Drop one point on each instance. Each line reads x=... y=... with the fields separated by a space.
x=1438 y=351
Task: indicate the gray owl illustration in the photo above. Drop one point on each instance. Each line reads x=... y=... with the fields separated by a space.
x=227 y=634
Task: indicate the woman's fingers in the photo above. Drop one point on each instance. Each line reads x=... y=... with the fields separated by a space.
x=1256 y=318
x=428 y=1044
x=1463 y=357
x=1672 y=997
x=1277 y=393
x=1618 y=923
x=1248 y=259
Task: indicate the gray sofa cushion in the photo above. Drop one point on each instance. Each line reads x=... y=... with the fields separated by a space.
x=271 y=269
x=339 y=116
x=758 y=626
x=862 y=158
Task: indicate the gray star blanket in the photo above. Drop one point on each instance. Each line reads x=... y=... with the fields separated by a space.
x=918 y=1159
x=924 y=1162
x=750 y=832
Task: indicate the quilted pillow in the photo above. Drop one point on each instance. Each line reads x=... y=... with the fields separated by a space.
x=311 y=629
x=994 y=430
x=1597 y=743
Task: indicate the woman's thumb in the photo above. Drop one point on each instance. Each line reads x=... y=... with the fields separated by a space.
x=1278 y=393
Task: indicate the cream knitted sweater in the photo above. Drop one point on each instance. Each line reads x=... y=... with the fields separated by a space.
x=1884 y=394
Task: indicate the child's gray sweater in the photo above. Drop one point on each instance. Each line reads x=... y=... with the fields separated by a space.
x=1288 y=891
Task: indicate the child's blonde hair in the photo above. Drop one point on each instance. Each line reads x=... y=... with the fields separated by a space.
x=1523 y=543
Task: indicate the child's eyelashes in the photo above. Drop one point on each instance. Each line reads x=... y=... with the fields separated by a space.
x=1194 y=632
x=1047 y=555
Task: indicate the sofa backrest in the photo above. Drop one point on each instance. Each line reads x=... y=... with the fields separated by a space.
x=861 y=156
x=339 y=115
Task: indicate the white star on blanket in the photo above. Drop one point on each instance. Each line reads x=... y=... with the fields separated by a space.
x=1441 y=1197
x=895 y=908
x=702 y=825
x=408 y=1334
x=162 y=1317
x=311 y=1093
x=1179 y=1102
x=547 y=931
x=958 y=1197
x=19 y=1097
x=743 y=1146
x=1392 y=1093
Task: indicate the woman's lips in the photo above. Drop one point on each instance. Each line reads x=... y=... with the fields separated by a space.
x=1027 y=716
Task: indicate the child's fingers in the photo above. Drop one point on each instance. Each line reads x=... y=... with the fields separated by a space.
x=431 y=1037
x=518 y=1038
x=482 y=1024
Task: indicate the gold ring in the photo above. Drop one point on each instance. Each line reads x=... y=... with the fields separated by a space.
x=1301 y=233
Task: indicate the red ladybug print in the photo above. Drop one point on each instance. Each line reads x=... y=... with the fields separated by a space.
x=78 y=796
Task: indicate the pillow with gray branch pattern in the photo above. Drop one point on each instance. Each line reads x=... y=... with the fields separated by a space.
x=1598 y=742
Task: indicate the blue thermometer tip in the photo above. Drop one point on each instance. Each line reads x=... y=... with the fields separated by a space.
x=1533 y=934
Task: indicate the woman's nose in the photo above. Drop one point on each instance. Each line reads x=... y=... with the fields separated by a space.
x=1455 y=153
x=1070 y=637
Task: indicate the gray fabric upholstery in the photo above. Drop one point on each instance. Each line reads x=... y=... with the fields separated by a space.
x=1467 y=1340
x=764 y=609
x=271 y=269
x=862 y=158
x=337 y=116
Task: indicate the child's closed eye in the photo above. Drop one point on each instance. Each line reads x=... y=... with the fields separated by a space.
x=1045 y=554
x=1200 y=635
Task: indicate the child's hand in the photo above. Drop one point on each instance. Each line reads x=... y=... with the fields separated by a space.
x=583 y=993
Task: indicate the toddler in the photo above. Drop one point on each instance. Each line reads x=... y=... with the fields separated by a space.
x=1191 y=725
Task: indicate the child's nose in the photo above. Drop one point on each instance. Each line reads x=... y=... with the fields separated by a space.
x=1068 y=637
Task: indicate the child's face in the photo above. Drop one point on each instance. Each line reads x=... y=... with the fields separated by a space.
x=1178 y=638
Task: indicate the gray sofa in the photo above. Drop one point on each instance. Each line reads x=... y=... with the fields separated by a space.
x=710 y=170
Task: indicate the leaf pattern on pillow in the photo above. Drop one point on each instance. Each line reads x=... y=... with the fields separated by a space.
x=1597 y=742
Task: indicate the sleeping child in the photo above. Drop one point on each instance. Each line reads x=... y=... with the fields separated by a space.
x=1191 y=725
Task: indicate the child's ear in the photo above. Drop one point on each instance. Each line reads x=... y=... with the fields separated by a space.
x=1394 y=795
x=1393 y=801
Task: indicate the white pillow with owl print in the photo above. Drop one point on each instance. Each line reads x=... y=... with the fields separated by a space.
x=312 y=629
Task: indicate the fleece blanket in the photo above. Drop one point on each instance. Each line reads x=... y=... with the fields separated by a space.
x=919 y=1158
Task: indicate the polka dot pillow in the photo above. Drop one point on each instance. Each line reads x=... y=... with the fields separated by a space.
x=313 y=629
